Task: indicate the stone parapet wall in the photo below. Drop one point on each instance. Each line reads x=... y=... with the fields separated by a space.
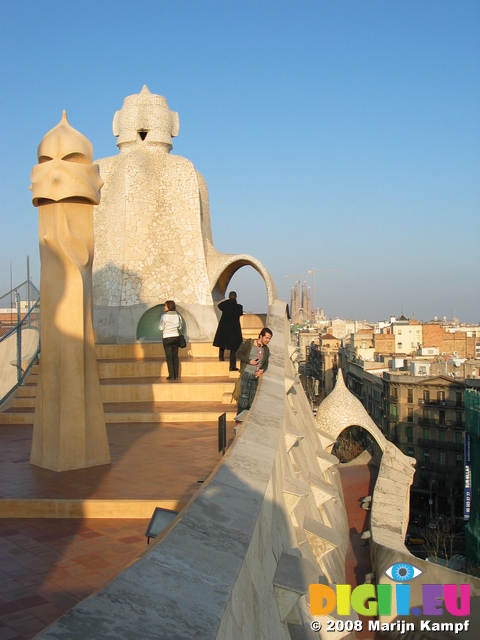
x=238 y=560
x=388 y=526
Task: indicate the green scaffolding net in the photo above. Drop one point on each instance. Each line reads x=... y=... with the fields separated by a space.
x=472 y=430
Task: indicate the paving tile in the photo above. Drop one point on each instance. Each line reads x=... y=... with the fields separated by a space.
x=9 y=607
x=7 y=633
x=7 y=585
x=357 y=482
x=48 y=565
x=16 y=617
x=28 y=627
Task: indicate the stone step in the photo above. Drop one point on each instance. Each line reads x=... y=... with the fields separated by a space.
x=145 y=350
x=169 y=412
x=17 y=417
x=134 y=386
x=184 y=391
x=191 y=367
x=145 y=390
x=132 y=413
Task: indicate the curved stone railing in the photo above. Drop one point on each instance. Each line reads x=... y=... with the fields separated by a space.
x=388 y=524
x=237 y=562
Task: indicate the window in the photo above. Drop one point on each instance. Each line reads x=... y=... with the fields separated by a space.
x=410 y=452
x=459 y=460
x=441 y=396
x=441 y=417
x=410 y=396
x=426 y=434
x=409 y=433
x=458 y=437
x=426 y=396
x=458 y=418
x=399 y=332
x=458 y=398
x=409 y=414
x=394 y=412
x=442 y=458
x=441 y=435
x=426 y=456
x=393 y=393
x=400 y=345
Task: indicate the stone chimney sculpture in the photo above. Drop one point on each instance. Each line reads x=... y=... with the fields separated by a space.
x=69 y=429
x=153 y=236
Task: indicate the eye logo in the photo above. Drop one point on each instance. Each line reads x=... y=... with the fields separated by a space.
x=403 y=572
x=371 y=600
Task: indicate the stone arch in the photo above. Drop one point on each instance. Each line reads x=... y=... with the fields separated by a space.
x=340 y=410
x=147 y=327
x=231 y=265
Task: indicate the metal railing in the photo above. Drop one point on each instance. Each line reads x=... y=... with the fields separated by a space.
x=440 y=444
x=19 y=335
x=448 y=404
x=435 y=422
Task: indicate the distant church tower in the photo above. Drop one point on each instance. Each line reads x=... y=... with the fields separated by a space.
x=301 y=303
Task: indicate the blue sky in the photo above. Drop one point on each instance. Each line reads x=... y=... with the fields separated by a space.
x=341 y=135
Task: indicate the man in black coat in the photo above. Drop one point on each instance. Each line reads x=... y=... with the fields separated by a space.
x=229 y=332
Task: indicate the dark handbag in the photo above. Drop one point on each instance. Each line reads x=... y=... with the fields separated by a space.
x=182 y=343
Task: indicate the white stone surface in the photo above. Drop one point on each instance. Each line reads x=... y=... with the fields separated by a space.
x=214 y=572
x=153 y=237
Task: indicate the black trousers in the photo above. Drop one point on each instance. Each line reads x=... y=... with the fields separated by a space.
x=171 y=352
x=233 y=357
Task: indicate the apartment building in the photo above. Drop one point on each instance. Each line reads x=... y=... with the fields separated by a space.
x=451 y=341
x=322 y=364
x=329 y=346
x=408 y=335
x=425 y=417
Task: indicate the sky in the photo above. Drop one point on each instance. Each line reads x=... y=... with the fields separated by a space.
x=336 y=136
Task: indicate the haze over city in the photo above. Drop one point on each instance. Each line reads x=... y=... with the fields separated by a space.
x=337 y=137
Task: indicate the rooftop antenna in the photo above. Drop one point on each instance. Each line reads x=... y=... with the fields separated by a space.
x=11 y=292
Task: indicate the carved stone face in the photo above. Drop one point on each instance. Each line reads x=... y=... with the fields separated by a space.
x=65 y=168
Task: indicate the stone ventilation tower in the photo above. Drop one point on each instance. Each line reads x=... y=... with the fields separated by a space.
x=153 y=238
x=69 y=429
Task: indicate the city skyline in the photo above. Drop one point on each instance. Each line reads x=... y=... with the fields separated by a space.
x=337 y=137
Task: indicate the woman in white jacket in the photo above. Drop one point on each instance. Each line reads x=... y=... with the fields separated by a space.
x=171 y=324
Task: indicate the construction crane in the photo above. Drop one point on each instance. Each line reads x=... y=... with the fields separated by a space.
x=313 y=271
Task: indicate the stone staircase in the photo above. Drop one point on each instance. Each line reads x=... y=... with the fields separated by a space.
x=135 y=390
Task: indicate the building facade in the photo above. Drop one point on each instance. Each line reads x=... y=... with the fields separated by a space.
x=425 y=418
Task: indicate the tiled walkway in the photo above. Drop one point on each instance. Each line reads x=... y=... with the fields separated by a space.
x=47 y=566
x=149 y=461
x=358 y=482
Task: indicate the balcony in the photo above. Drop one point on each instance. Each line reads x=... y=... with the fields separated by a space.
x=452 y=470
x=435 y=422
x=428 y=443
x=442 y=404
